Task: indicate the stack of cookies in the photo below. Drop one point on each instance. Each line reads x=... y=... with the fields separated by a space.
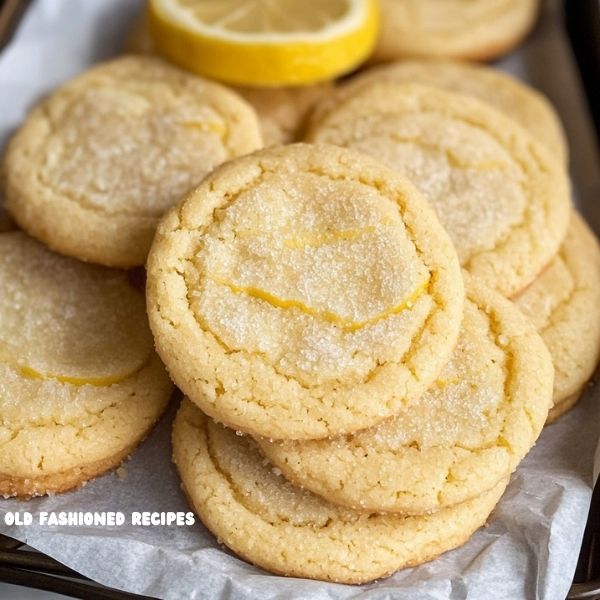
x=307 y=295
x=371 y=325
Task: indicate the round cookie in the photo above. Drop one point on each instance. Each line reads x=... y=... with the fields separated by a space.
x=96 y=164
x=467 y=29
x=303 y=291
x=510 y=96
x=468 y=432
x=290 y=531
x=501 y=196
x=564 y=305
x=80 y=383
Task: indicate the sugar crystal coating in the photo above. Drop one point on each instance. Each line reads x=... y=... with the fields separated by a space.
x=116 y=147
x=464 y=435
x=80 y=384
x=501 y=196
x=564 y=305
x=320 y=278
x=302 y=291
x=50 y=431
x=63 y=319
x=285 y=529
x=512 y=97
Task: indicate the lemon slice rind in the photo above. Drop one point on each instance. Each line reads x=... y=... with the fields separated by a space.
x=264 y=59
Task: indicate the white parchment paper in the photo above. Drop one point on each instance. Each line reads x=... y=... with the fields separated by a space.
x=530 y=547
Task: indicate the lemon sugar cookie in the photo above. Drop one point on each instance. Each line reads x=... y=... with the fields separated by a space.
x=502 y=197
x=467 y=433
x=283 y=112
x=564 y=304
x=468 y=29
x=510 y=96
x=303 y=291
x=97 y=163
x=80 y=383
x=289 y=531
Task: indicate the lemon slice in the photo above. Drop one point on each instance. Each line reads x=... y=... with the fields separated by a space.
x=265 y=42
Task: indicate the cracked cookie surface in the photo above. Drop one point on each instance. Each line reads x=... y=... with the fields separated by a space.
x=466 y=29
x=502 y=196
x=469 y=431
x=284 y=529
x=564 y=305
x=97 y=163
x=510 y=96
x=303 y=291
x=80 y=383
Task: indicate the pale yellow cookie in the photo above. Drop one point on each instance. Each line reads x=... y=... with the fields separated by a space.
x=97 y=163
x=469 y=29
x=282 y=111
x=468 y=432
x=303 y=291
x=564 y=305
x=510 y=96
x=502 y=197
x=279 y=527
x=80 y=384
